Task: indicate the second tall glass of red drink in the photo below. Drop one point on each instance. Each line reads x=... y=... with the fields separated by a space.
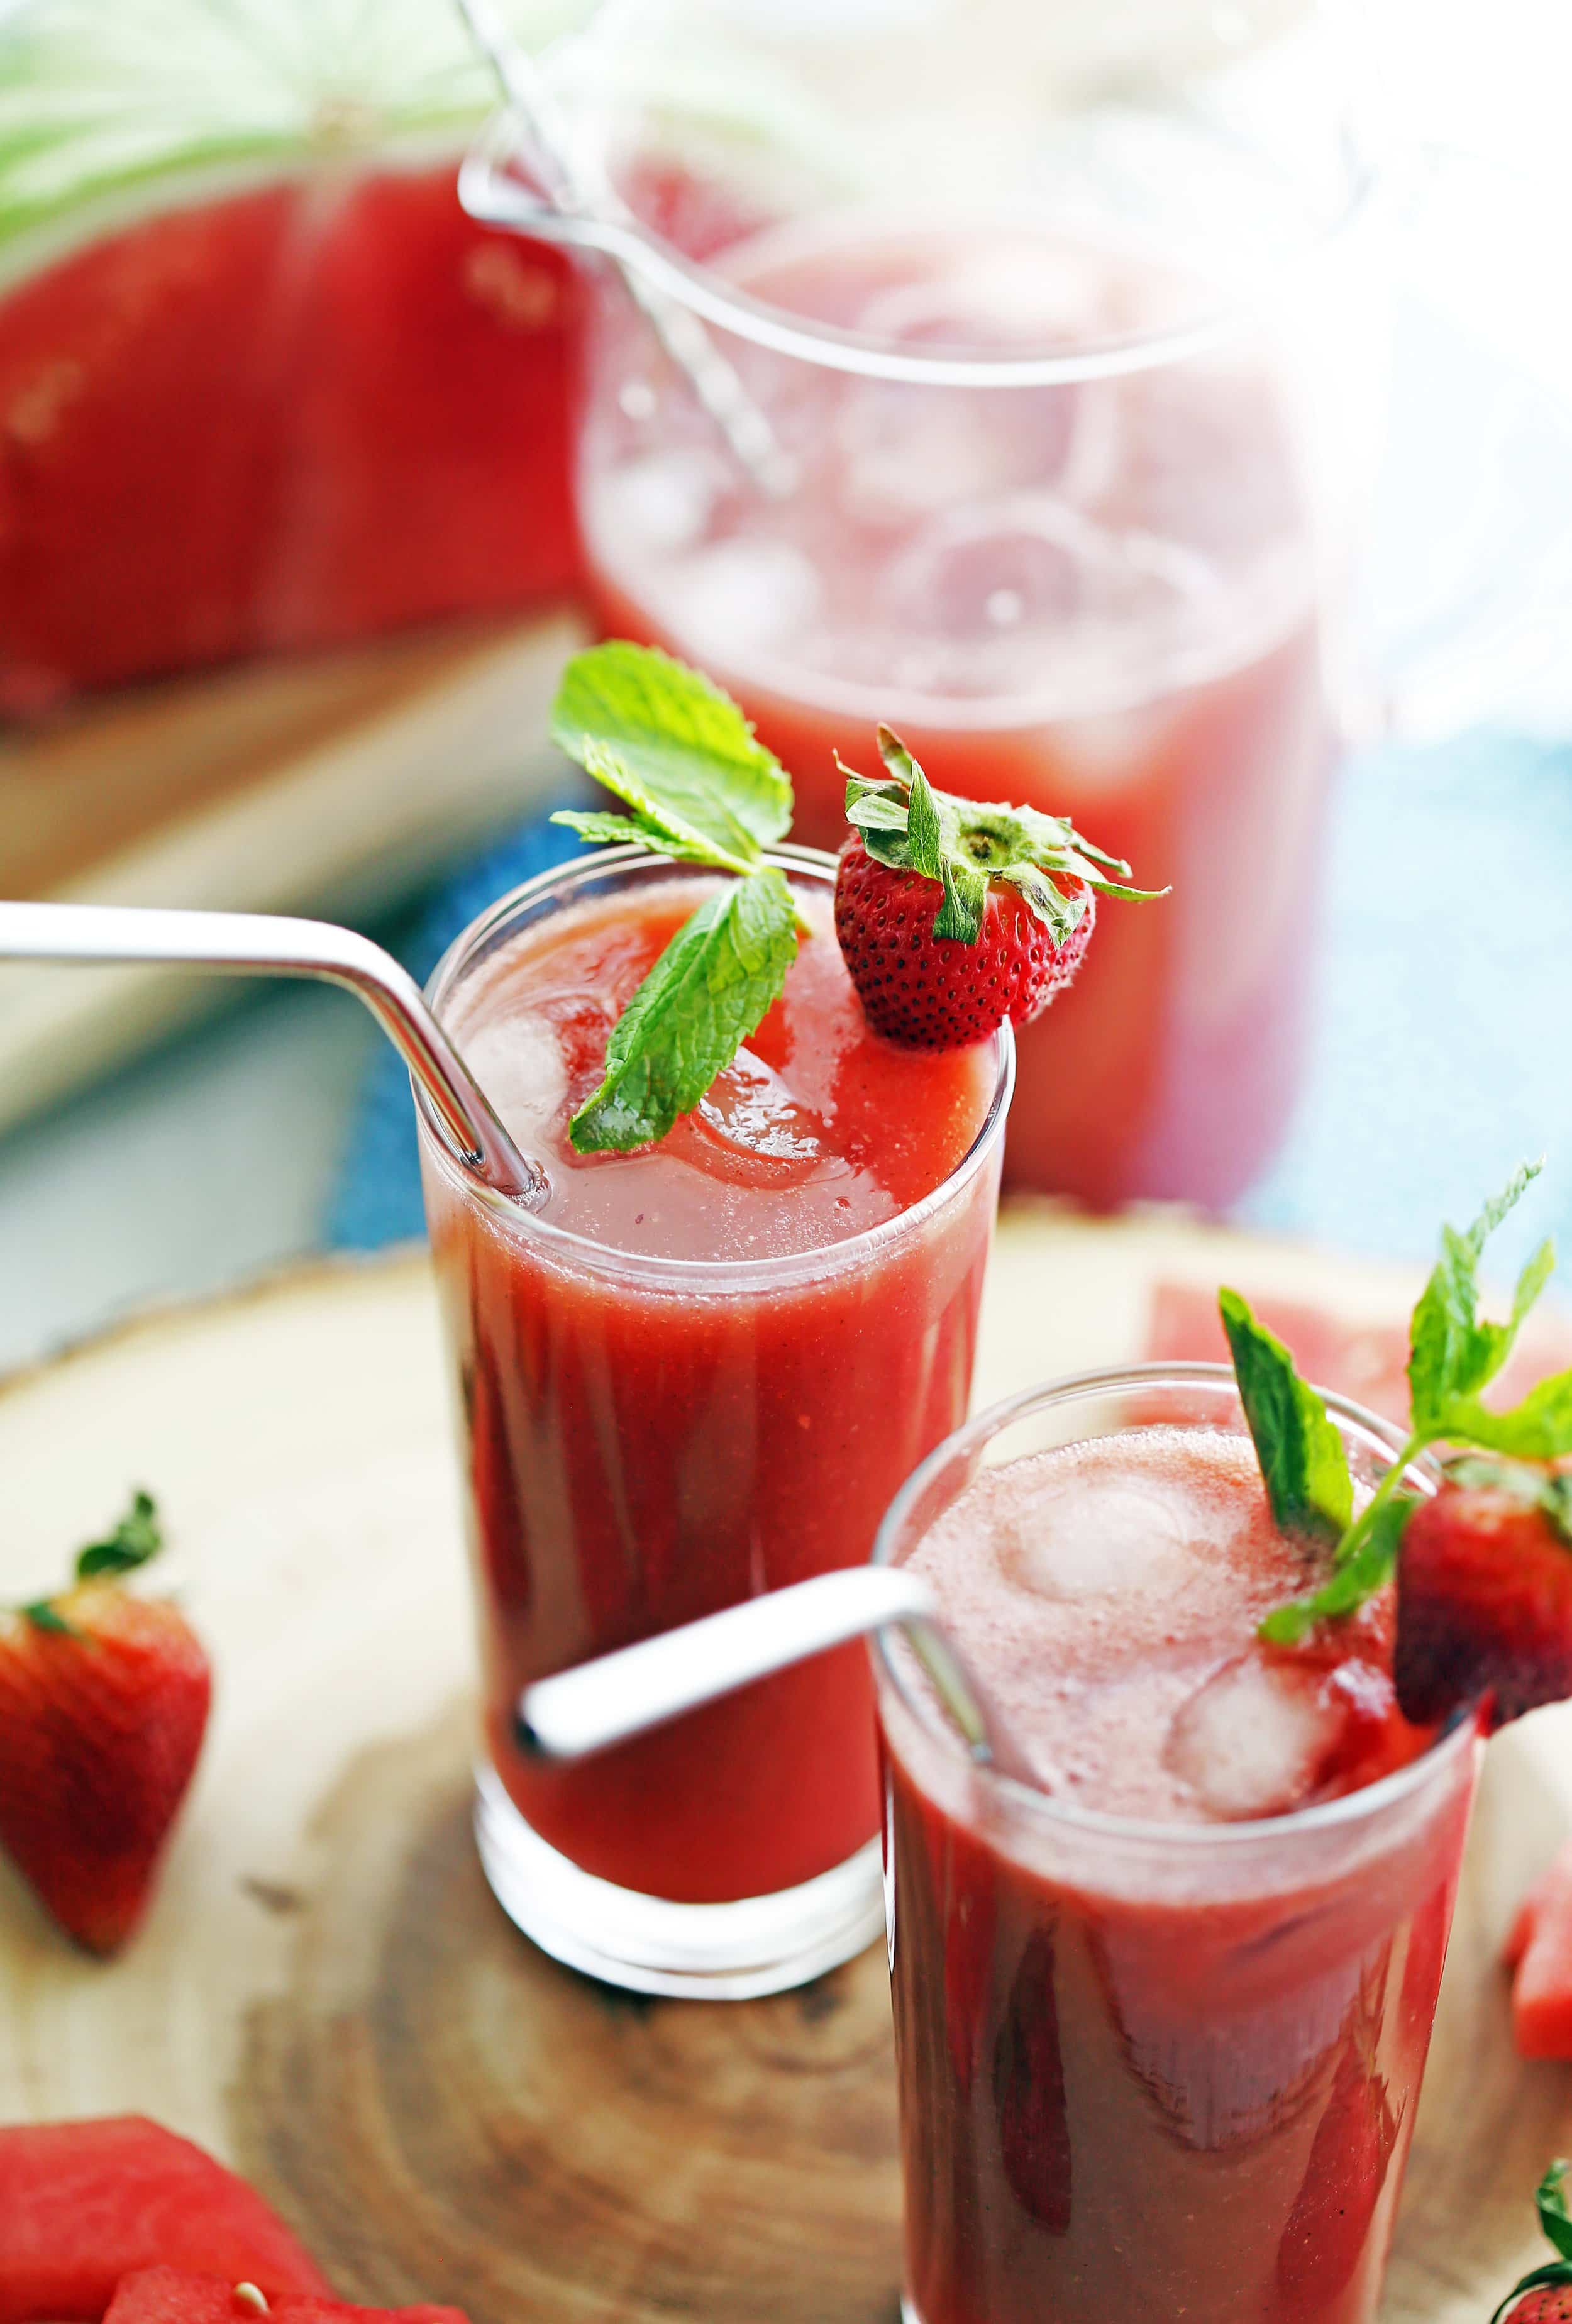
x=1161 y=2062
x=700 y=1372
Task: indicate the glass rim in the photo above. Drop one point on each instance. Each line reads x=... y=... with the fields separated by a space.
x=490 y=189
x=709 y=1275
x=1043 y=1809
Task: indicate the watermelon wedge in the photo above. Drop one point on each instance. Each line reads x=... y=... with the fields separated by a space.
x=84 y=2203
x=262 y=385
x=164 y=2295
x=1539 y=1951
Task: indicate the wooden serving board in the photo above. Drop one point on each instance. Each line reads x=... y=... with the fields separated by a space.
x=327 y=1994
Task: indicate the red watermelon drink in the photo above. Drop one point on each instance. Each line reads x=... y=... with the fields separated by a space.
x=1161 y=2027
x=768 y=1092
x=1101 y=594
x=699 y=1373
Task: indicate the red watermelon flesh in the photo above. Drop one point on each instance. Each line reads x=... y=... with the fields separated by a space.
x=1540 y=1949
x=1365 y=1362
x=293 y=417
x=84 y=2203
x=164 y=2295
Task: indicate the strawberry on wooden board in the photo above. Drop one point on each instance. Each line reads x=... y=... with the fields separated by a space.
x=104 y=1701
x=1544 y=2296
x=84 y=2203
x=165 y=2295
x=1539 y=1952
x=1005 y=933
x=1484 y=1591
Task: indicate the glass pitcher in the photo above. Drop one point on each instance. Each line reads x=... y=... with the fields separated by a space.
x=1064 y=331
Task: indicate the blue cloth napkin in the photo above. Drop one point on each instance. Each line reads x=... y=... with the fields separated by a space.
x=1444 y=987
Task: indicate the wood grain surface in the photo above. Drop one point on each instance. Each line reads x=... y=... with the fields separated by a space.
x=326 y=1992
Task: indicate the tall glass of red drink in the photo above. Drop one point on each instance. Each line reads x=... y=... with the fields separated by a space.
x=700 y=1371
x=1161 y=2028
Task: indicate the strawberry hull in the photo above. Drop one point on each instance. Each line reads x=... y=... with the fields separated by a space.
x=285 y=419
x=84 y=2203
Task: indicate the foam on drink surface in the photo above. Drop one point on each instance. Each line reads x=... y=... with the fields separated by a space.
x=1108 y=1594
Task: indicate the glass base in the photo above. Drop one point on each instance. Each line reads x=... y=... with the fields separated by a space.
x=710 y=1952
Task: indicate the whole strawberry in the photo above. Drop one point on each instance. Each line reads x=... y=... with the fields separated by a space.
x=1007 y=929
x=1484 y=1591
x=104 y=1699
x=1544 y=2296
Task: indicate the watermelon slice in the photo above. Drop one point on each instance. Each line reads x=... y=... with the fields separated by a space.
x=164 y=2295
x=84 y=2203
x=1366 y=1361
x=1540 y=1949
x=262 y=383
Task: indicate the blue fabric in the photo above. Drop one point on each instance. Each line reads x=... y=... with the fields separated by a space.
x=1440 y=1054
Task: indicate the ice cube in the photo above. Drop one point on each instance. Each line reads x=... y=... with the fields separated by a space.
x=519 y=1062
x=743 y=595
x=663 y=500
x=1098 y=1538
x=750 y=1130
x=909 y=452
x=1253 y=1740
x=1028 y=554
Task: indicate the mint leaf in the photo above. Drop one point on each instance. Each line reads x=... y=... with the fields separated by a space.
x=137 y=1537
x=1364 y=1563
x=1452 y=1354
x=1540 y=1428
x=711 y=988
x=1550 y=2202
x=1304 y=1464
x=676 y=751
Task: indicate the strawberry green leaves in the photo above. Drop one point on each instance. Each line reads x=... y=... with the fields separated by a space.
x=1303 y=1464
x=908 y=825
x=1556 y=2226
x=700 y=790
x=137 y=1537
x=1454 y=1353
x=711 y=986
x=676 y=751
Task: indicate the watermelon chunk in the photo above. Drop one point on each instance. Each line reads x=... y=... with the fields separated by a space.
x=164 y=2295
x=84 y=2203
x=1366 y=1361
x=1540 y=1949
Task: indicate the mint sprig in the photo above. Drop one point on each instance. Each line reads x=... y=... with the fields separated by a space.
x=1303 y=1464
x=722 y=969
x=1556 y=2226
x=963 y=844
x=701 y=789
x=1454 y=1353
x=676 y=751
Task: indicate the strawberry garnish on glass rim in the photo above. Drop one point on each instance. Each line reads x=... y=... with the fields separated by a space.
x=1008 y=930
x=104 y=1701
x=1484 y=1566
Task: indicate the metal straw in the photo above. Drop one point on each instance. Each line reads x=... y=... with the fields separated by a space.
x=260 y=943
x=576 y=188
x=620 y=1694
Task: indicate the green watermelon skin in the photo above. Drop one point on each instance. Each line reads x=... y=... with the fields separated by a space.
x=284 y=419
